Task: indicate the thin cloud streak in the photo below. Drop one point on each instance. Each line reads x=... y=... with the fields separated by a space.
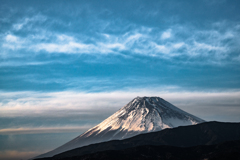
x=41 y=130
x=27 y=22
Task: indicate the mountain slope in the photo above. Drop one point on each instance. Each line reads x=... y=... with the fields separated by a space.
x=141 y=115
x=208 y=133
x=223 y=151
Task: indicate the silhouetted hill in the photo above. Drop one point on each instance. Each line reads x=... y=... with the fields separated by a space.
x=225 y=151
x=208 y=133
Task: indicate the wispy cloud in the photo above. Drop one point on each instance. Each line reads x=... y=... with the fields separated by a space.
x=167 y=34
x=30 y=63
x=40 y=130
x=214 y=44
x=27 y=22
x=133 y=42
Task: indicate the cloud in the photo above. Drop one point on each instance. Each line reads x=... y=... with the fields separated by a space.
x=27 y=22
x=40 y=130
x=69 y=47
x=20 y=104
x=212 y=45
x=11 y=38
x=105 y=31
x=134 y=42
x=30 y=63
x=167 y=34
x=13 y=42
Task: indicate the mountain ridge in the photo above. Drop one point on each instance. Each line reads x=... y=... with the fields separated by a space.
x=207 y=133
x=223 y=151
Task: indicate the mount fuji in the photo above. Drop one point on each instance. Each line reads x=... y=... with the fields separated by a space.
x=141 y=115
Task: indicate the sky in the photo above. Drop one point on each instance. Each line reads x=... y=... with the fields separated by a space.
x=65 y=66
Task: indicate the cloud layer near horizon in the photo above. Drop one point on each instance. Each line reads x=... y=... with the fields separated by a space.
x=69 y=103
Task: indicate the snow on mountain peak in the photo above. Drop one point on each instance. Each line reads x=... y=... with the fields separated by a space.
x=146 y=114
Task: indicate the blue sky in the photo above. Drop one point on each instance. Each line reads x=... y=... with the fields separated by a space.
x=67 y=65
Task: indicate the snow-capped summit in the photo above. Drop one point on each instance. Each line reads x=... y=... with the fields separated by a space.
x=145 y=114
x=141 y=115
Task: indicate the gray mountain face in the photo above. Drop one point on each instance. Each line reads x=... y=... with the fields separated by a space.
x=141 y=115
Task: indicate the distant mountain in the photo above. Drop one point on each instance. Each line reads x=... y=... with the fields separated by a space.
x=208 y=133
x=141 y=115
